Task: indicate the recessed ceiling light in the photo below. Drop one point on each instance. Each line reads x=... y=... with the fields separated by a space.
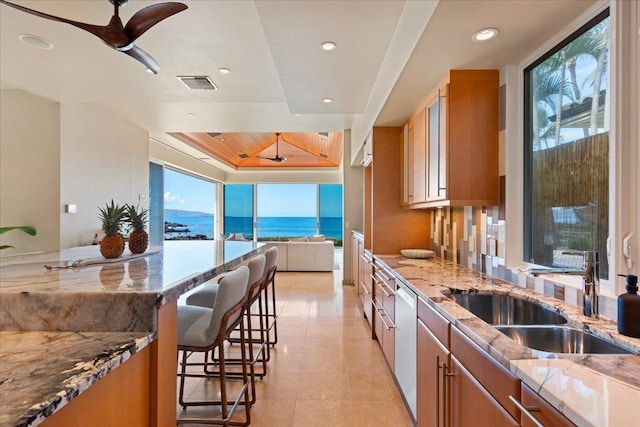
x=328 y=45
x=224 y=71
x=297 y=114
x=484 y=35
x=191 y=114
x=327 y=100
x=35 y=41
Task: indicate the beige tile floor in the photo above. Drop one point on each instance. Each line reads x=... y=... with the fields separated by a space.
x=325 y=369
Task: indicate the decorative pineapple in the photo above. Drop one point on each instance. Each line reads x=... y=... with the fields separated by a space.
x=136 y=219
x=112 y=216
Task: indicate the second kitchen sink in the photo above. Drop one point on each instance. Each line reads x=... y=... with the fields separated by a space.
x=499 y=309
x=560 y=339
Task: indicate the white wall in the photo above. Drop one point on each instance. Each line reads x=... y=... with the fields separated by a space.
x=101 y=158
x=353 y=205
x=29 y=170
x=163 y=154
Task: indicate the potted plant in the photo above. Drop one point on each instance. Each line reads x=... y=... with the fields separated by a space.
x=112 y=217
x=136 y=219
x=25 y=228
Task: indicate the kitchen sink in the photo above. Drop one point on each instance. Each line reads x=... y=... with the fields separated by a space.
x=560 y=339
x=498 y=309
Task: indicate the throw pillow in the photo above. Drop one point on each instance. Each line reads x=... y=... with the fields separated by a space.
x=316 y=238
x=298 y=239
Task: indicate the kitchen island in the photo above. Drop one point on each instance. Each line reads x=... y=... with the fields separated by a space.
x=101 y=335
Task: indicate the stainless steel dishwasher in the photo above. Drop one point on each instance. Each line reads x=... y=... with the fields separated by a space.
x=406 y=343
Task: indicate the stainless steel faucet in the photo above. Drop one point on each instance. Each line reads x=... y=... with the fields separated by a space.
x=590 y=279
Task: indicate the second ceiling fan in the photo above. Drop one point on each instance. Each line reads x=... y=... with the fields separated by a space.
x=277 y=158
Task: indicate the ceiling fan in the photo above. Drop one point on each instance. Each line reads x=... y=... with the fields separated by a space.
x=117 y=36
x=277 y=158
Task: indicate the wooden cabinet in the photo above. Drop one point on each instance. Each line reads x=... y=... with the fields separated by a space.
x=461 y=385
x=541 y=410
x=436 y=142
x=384 y=306
x=366 y=288
x=433 y=362
x=471 y=403
x=460 y=116
x=416 y=173
x=495 y=378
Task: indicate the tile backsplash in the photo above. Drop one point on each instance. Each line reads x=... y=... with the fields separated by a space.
x=475 y=238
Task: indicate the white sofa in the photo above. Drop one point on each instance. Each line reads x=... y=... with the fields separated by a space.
x=304 y=256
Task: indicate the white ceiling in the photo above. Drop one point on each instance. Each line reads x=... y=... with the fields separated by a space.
x=279 y=74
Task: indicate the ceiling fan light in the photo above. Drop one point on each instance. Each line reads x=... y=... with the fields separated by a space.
x=35 y=41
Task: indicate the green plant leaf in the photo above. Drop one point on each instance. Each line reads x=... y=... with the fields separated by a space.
x=26 y=228
x=5 y=247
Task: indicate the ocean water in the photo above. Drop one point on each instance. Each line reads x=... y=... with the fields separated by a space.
x=199 y=223
x=285 y=226
x=196 y=223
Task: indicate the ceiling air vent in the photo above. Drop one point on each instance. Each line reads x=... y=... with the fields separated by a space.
x=213 y=134
x=243 y=155
x=198 y=82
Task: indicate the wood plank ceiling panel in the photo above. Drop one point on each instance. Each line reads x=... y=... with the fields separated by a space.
x=250 y=150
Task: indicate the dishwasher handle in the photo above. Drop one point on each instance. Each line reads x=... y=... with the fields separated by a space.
x=406 y=297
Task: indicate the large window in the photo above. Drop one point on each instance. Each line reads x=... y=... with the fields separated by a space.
x=331 y=210
x=238 y=210
x=567 y=150
x=287 y=210
x=283 y=211
x=189 y=206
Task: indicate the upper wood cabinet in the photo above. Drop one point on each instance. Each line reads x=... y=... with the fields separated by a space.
x=415 y=170
x=451 y=146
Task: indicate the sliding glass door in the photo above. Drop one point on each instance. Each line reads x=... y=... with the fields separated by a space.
x=238 y=210
x=330 y=210
x=287 y=210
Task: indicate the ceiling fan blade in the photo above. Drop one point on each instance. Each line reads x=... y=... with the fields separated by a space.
x=146 y=18
x=109 y=34
x=143 y=57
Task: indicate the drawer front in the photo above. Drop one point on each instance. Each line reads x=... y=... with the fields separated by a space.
x=541 y=410
x=437 y=324
x=494 y=377
x=471 y=404
x=385 y=289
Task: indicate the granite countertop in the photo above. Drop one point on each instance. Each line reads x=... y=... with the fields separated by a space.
x=42 y=371
x=589 y=389
x=119 y=297
x=62 y=329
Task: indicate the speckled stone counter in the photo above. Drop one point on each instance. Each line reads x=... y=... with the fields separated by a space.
x=43 y=371
x=115 y=297
x=65 y=328
x=589 y=389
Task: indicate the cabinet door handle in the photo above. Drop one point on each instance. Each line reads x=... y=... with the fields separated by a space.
x=365 y=288
x=527 y=411
x=382 y=316
x=437 y=391
x=445 y=375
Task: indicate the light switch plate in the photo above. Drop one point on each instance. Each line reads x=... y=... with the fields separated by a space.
x=71 y=208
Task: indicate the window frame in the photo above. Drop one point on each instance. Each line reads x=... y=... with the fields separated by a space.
x=624 y=158
x=526 y=74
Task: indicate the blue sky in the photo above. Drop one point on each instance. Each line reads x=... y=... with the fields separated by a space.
x=187 y=193
x=287 y=200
